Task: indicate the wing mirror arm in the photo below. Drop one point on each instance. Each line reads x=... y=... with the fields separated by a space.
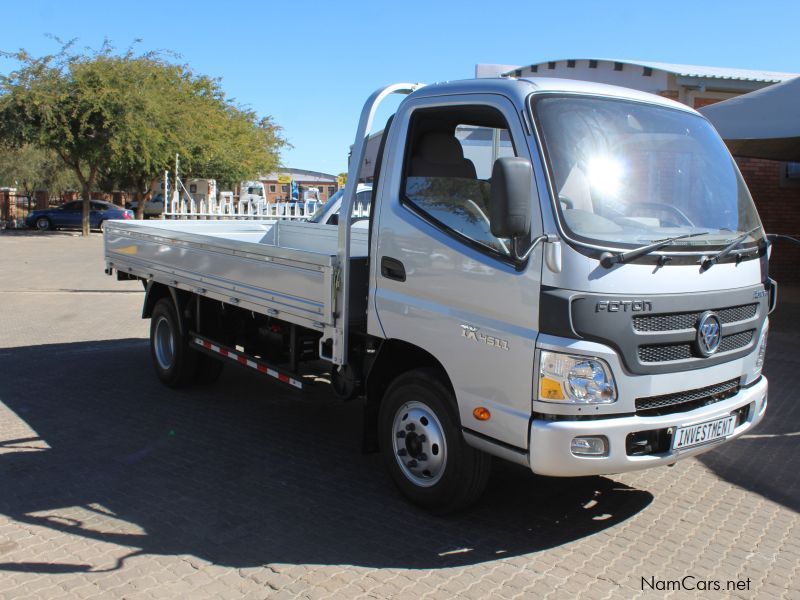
x=523 y=256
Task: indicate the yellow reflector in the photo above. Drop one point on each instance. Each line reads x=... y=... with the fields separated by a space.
x=550 y=389
x=482 y=414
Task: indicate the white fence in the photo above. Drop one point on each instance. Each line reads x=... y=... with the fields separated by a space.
x=228 y=208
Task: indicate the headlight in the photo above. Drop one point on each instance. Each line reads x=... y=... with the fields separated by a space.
x=575 y=379
x=762 y=349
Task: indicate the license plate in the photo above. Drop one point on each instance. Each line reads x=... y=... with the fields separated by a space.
x=703 y=433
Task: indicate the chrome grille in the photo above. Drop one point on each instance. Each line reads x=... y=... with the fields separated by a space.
x=688 y=400
x=664 y=353
x=667 y=352
x=735 y=341
x=688 y=320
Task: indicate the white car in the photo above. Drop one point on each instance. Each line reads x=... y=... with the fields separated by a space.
x=152 y=208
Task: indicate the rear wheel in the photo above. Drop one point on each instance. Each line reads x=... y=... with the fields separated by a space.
x=174 y=360
x=422 y=446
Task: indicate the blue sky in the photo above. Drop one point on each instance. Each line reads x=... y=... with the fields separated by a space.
x=311 y=64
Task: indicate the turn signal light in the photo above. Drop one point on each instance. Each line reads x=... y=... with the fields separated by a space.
x=482 y=414
x=550 y=389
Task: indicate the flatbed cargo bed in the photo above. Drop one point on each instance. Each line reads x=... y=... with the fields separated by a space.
x=278 y=268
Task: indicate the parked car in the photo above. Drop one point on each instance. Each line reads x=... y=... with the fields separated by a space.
x=69 y=215
x=152 y=208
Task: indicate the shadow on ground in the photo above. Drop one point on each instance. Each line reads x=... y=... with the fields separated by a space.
x=766 y=460
x=36 y=233
x=246 y=473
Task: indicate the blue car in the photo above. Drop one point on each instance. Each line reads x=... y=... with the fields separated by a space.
x=69 y=215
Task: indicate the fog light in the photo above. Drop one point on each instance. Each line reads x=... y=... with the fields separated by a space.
x=590 y=446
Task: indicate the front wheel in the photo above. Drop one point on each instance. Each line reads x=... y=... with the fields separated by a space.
x=43 y=224
x=422 y=446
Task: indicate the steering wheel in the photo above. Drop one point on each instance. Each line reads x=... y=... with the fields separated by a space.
x=681 y=216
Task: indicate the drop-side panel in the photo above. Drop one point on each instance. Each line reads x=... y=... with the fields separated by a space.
x=249 y=274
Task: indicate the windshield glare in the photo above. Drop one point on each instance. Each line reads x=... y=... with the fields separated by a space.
x=629 y=174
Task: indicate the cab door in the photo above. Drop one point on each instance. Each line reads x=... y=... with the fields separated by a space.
x=440 y=279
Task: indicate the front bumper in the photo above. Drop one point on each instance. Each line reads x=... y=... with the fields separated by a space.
x=550 y=441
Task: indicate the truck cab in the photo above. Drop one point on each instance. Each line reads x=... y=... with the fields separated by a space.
x=566 y=351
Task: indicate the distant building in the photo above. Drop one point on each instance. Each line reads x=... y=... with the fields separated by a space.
x=693 y=85
x=278 y=191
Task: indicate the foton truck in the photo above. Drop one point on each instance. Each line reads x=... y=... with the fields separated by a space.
x=591 y=298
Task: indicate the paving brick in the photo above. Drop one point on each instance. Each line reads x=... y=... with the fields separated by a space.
x=114 y=486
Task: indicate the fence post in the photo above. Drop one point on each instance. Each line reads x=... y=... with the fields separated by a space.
x=42 y=198
x=4 y=202
x=8 y=207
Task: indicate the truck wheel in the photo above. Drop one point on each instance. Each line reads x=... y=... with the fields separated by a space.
x=423 y=448
x=175 y=362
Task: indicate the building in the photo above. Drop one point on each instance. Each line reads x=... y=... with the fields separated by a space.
x=278 y=185
x=775 y=185
x=693 y=85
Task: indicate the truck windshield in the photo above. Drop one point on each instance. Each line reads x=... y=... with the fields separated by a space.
x=628 y=173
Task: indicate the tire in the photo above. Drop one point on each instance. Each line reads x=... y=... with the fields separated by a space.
x=174 y=360
x=101 y=226
x=44 y=224
x=418 y=427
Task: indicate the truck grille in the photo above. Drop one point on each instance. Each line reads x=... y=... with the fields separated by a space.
x=667 y=352
x=688 y=320
x=689 y=400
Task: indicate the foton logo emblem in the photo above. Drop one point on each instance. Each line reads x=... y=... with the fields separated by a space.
x=709 y=334
x=623 y=306
x=472 y=333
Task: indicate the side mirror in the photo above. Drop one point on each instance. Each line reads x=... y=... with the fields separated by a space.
x=511 y=197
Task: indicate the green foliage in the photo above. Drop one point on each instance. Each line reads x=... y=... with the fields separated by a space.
x=29 y=168
x=119 y=119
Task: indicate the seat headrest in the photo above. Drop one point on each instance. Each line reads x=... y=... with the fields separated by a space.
x=441 y=148
x=440 y=154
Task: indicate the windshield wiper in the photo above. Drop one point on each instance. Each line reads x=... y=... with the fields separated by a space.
x=608 y=259
x=710 y=262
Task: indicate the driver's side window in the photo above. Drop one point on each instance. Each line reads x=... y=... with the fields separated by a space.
x=450 y=154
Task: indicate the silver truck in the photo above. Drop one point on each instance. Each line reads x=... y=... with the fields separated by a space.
x=587 y=294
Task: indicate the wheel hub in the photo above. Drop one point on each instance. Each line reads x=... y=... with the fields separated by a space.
x=164 y=343
x=419 y=444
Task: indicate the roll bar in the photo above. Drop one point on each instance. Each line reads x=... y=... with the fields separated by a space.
x=342 y=284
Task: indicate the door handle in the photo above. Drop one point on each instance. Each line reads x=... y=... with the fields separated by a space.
x=391 y=268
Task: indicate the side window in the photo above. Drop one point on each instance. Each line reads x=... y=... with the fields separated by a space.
x=98 y=206
x=72 y=206
x=450 y=154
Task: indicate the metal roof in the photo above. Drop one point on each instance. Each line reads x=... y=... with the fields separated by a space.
x=692 y=70
x=761 y=124
x=304 y=175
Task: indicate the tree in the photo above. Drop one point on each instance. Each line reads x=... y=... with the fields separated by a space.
x=30 y=168
x=121 y=118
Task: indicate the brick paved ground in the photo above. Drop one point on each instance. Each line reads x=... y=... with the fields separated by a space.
x=113 y=486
